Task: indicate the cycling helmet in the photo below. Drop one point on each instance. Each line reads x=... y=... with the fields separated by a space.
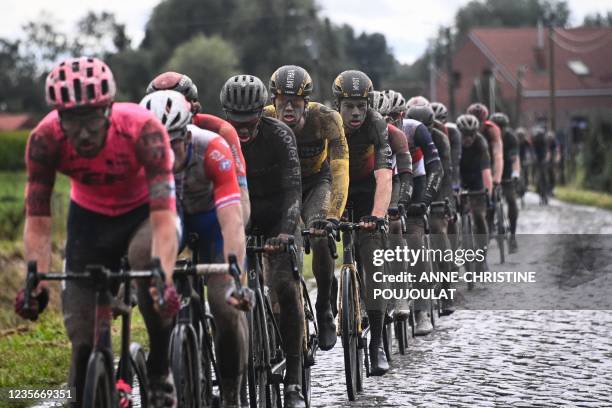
x=417 y=101
x=243 y=96
x=176 y=82
x=80 y=82
x=352 y=84
x=422 y=113
x=290 y=80
x=380 y=102
x=500 y=119
x=440 y=111
x=479 y=110
x=171 y=108
x=397 y=103
x=468 y=123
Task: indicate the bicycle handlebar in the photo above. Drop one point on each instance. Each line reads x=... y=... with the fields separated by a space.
x=331 y=242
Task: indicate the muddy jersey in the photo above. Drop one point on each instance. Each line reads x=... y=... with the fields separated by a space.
x=227 y=132
x=402 y=163
x=474 y=159
x=209 y=178
x=369 y=150
x=454 y=137
x=323 y=152
x=442 y=143
x=273 y=174
x=422 y=147
x=133 y=168
x=511 y=151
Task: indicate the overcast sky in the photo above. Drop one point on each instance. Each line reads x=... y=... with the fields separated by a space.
x=407 y=24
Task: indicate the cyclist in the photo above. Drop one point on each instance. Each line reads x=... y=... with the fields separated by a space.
x=275 y=191
x=183 y=84
x=553 y=154
x=397 y=108
x=439 y=218
x=119 y=160
x=475 y=167
x=427 y=176
x=211 y=208
x=525 y=157
x=511 y=174
x=540 y=150
x=370 y=188
x=323 y=154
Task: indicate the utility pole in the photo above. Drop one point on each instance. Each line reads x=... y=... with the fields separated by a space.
x=519 y=94
x=450 y=74
x=551 y=72
x=432 y=77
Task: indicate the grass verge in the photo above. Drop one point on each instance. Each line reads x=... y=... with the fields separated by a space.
x=584 y=197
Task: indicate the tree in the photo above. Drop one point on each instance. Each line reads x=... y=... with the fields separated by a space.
x=598 y=20
x=100 y=35
x=209 y=61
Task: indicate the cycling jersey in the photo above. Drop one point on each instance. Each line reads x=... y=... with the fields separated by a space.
x=323 y=149
x=474 y=160
x=133 y=168
x=493 y=136
x=454 y=137
x=402 y=164
x=209 y=178
x=273 y=173
x=540 y=147
x=369 y=150
x=511 y=151
x=227 y=132
x=444 y=152
x=420 y=138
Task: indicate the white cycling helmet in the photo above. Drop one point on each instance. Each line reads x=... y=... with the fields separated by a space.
x=417 y=101
x=468 y=123
x=440 y=111
x=172 y=109
x=397 y=103
x=380 y=102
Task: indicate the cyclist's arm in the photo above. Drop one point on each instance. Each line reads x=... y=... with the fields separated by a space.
x=455 y=142
x=382 y=171
x=433 y=166
x=339 y=162
x=497 y=148
x=220 y=168
x=41 y=157
x=291 y=181
x=401 y=150
x=485 y=164
x=154 y=153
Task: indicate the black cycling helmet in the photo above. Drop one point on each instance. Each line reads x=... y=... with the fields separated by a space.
x=468 y=123
x=440 y=111
x=243 y=97
x=352 y=84
x=500 y=119
x=290 y=80
x=422 y=113
x=175 y=82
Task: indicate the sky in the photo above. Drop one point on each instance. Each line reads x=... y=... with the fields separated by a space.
x=407 y=24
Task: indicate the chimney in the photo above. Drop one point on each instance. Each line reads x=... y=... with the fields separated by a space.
x=538 y=51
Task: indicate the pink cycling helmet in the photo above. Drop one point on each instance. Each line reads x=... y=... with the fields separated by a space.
x=479 y=110
x=80 y=82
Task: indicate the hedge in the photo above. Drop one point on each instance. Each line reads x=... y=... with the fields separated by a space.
x=12 y=150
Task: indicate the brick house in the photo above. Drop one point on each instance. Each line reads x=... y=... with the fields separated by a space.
x=583 y=69
x=16 y=121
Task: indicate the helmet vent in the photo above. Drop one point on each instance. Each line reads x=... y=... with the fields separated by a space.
x=75 y=66
x=164 y=119
x=91 y=91
x=89 y=72
x=168 y=105
x=77 y=90
x=148 y=104
x=176 y=120
x=52 y=93
x=62 y=75
x=104 y=85
x=65 y=96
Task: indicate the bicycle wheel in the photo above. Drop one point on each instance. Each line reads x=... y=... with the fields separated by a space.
x=388 y=337
x=99 y=389
x=258 y=354
x=277 y=355
x=206 y=362
x=310 y=343
x=140 y=380
x=185 y=366
x=468 y=242
x=501 y=233
x=350 y=335
x=401 y=335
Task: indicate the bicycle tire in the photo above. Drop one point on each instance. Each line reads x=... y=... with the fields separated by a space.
x=401 y=336
x=206 y=363
x=310 y=344
x=468 y=241
x=185 y=366
x=99 y=391
x=388 y=340
x=350 y=336
x=273 y=391
x=140 y=379
x=258 y=354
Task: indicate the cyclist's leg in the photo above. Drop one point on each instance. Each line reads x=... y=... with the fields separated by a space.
x=513 y=211
x=396 y=239
x=315 y=206
x=92 y=239
x=415 y=233
x=287 y=304
x=478 y=206
x=231 y=326
x=438 y=224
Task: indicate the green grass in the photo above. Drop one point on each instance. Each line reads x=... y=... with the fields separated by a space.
x=38 y=354
x=577 y=195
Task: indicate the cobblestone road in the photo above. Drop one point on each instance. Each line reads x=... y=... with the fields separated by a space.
x=523 y=358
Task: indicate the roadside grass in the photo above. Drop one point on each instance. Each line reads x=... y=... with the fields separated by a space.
x=577 y=195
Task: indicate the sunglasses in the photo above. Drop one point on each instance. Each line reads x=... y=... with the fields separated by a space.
x=73 y=124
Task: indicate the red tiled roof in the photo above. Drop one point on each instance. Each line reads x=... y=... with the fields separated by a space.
x=14 y=121
x=509 y=48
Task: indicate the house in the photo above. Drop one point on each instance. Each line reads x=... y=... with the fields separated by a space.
x=16 y=121
x=502 y=56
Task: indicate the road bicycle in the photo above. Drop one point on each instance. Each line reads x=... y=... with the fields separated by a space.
x=500 y=228
x=101 y=378
x=468 y=241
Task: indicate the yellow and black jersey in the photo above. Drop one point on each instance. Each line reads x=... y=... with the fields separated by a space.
x=322 y=143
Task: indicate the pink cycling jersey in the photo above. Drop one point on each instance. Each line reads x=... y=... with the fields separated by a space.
x=133 y=168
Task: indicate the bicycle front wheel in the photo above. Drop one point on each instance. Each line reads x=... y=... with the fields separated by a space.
x=99 y=389
x=350 y=334
x=140 y=380
x=185 y=365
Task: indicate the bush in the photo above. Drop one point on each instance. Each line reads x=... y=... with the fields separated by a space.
x=12 y=150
